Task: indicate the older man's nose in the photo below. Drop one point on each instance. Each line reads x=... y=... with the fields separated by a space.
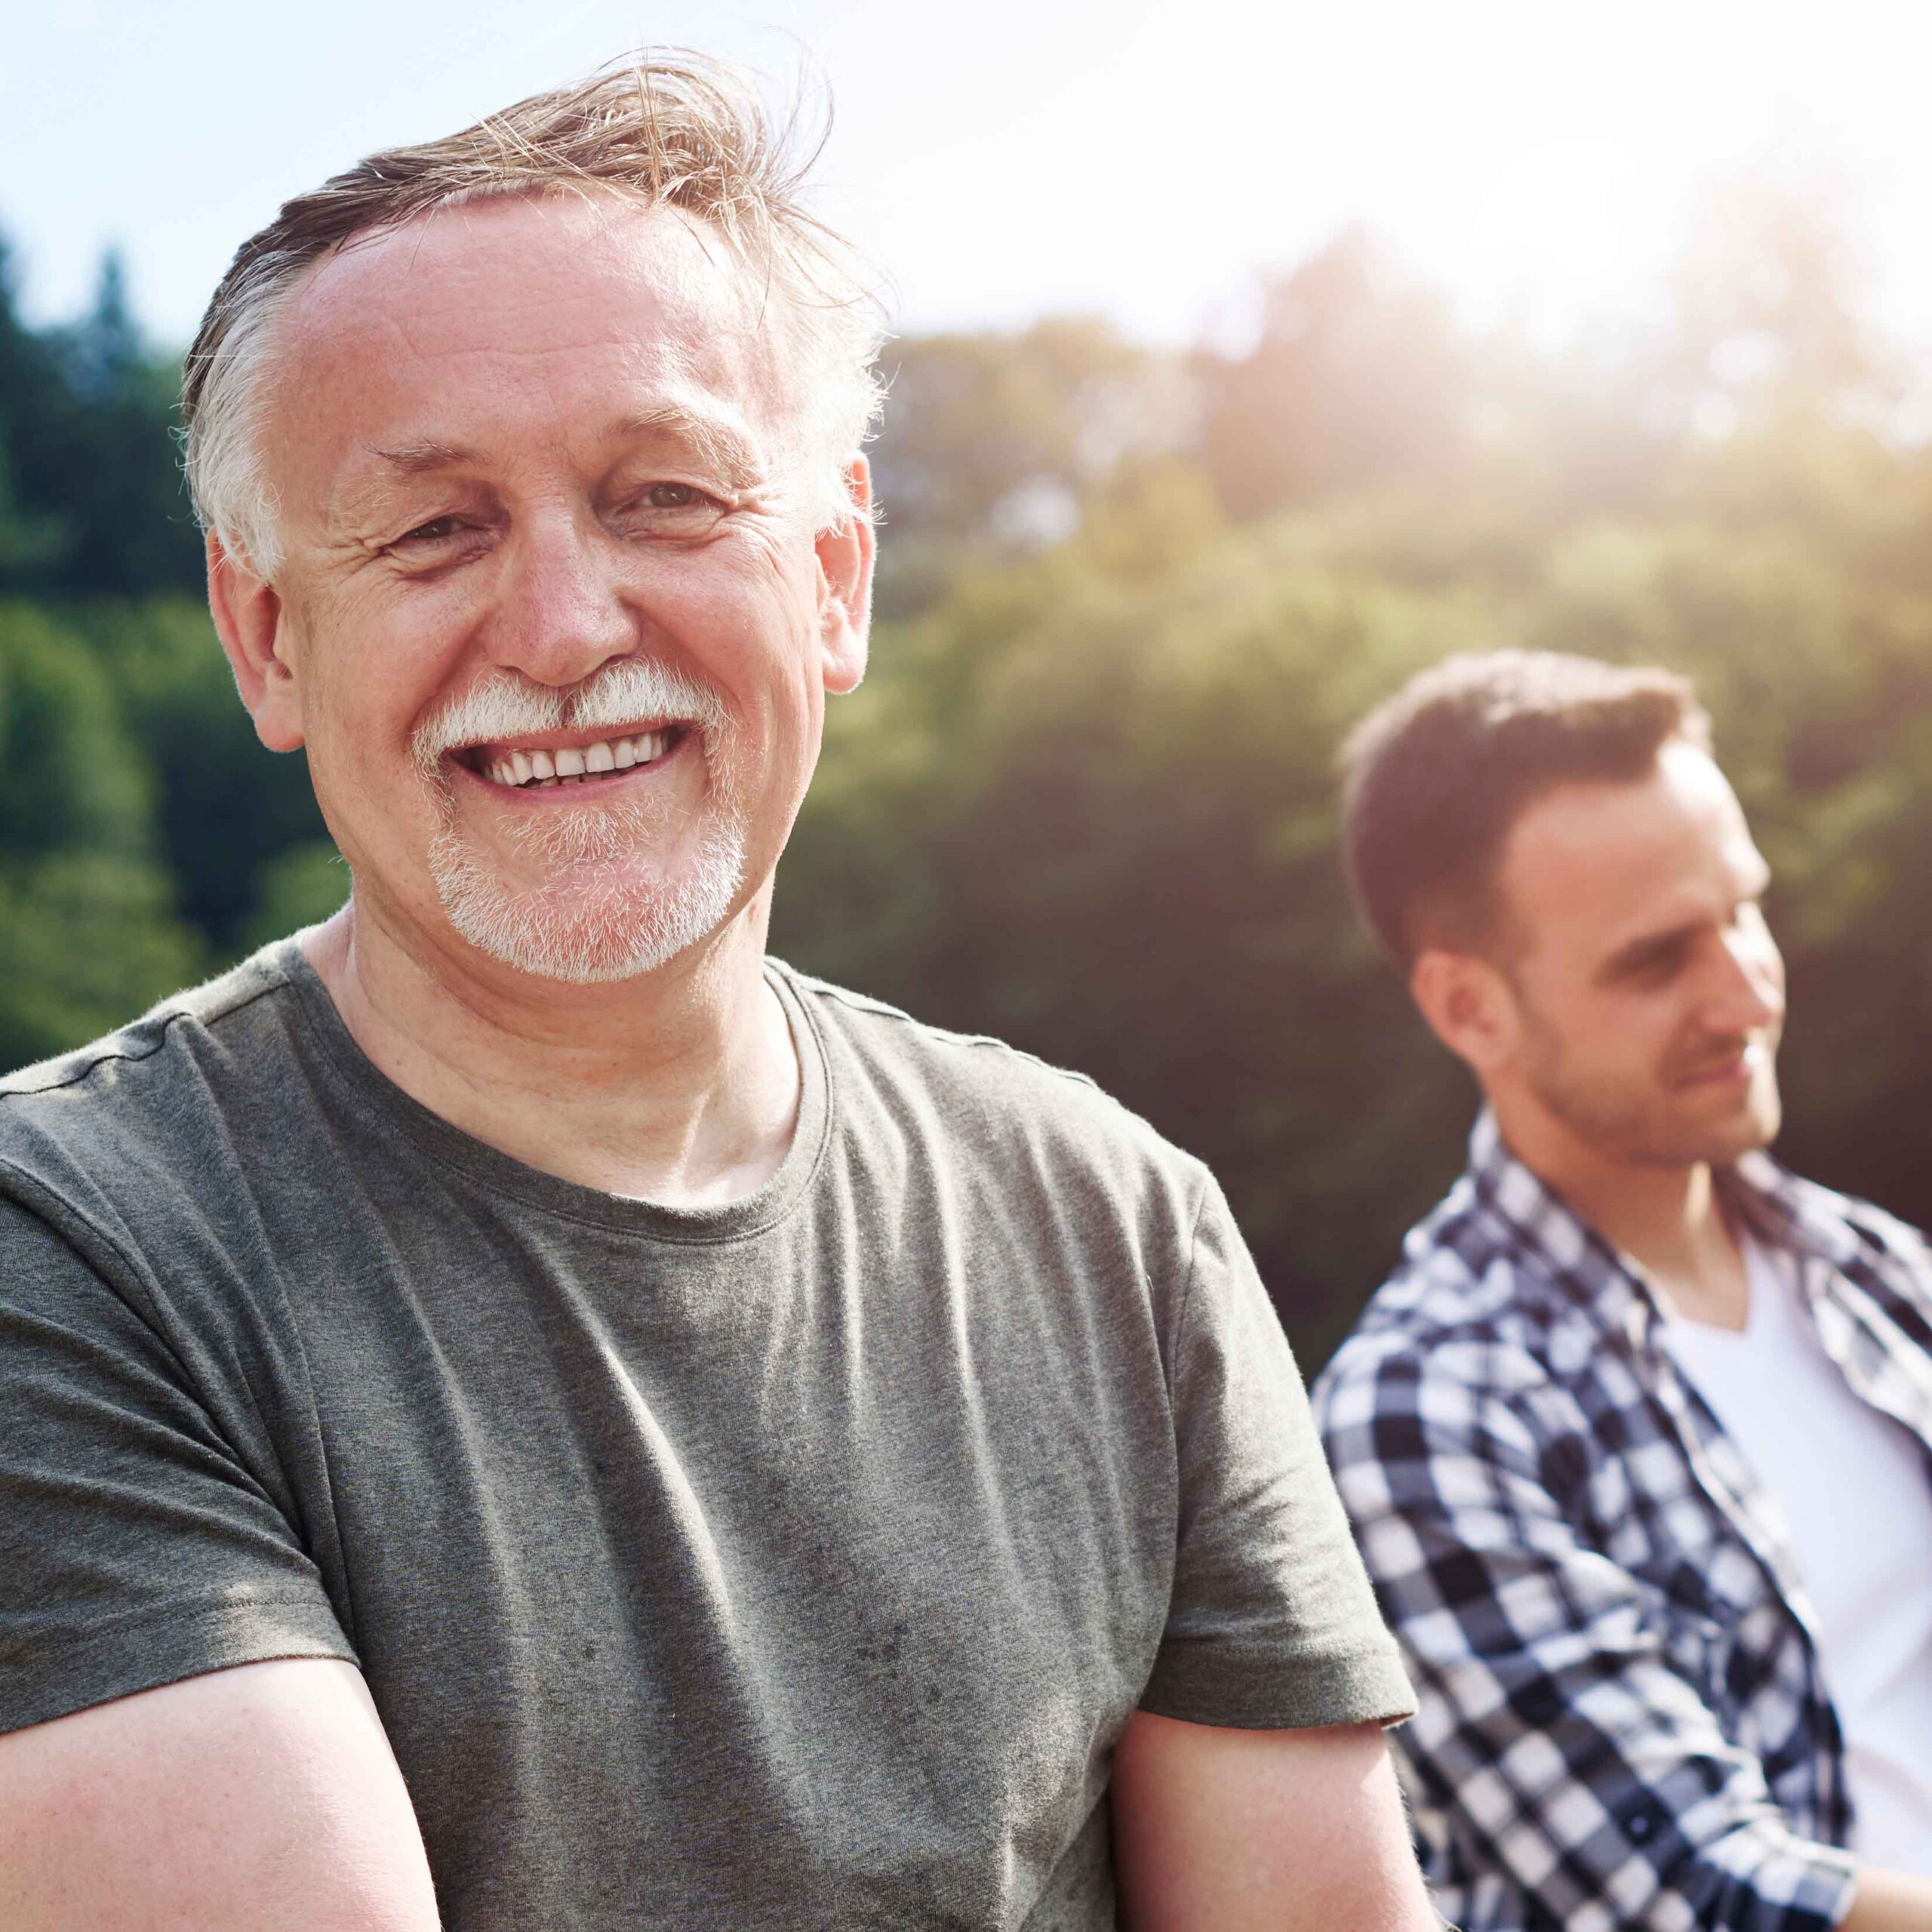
x=562 y=614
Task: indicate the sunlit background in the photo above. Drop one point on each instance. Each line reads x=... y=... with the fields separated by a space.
x=1137 y=159
x=1247 y=357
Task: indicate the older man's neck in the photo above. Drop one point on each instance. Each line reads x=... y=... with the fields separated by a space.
x=681 y=1086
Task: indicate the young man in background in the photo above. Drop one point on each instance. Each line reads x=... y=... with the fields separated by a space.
x=1636 y=1438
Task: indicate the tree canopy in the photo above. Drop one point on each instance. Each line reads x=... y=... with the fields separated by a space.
x=1132 y=600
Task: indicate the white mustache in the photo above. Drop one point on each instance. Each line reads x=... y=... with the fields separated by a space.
x=631 y=691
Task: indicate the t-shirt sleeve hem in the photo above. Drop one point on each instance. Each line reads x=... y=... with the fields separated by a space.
x=41 y=1680
x=1260 y=1690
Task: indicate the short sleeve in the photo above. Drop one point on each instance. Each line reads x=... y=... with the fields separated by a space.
x=136 y=1548
x=1273 y=1623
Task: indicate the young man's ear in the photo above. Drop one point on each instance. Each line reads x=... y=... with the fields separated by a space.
x=845 y=585
x=1468 y=1005
x=248 y=619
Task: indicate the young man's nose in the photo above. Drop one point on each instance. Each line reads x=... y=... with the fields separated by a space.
x=1750 y=991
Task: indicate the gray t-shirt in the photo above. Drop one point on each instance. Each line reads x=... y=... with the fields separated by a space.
x=795 y=1562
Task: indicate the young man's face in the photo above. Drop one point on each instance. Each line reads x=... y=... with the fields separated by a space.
x=555 y=629
x=1648 y=992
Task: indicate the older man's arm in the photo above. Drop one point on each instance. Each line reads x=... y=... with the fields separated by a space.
x=1220 y=1830
x=264 y=1795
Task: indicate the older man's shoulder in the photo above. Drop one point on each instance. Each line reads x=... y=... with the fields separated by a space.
x=974 y=1089
x=138 y=1095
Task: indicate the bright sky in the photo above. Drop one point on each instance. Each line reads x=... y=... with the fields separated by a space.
x=1138 y=158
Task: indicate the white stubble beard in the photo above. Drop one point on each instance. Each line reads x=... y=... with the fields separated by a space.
x=578 y=927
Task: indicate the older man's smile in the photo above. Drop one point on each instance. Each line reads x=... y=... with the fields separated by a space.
x=535 y=766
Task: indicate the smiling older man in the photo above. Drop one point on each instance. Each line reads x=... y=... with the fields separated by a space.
x=520 y=1408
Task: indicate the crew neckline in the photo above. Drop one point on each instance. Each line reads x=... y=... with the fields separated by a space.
x=451 y=1147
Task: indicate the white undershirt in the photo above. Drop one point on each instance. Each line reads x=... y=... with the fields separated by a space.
x=1853 y=1487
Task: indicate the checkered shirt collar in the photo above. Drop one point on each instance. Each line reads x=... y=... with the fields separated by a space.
x=1774 y=1205
x=1571 y=1259
x=1871 y=1296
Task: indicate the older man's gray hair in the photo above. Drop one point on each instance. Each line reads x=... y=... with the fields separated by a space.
x=680 y=132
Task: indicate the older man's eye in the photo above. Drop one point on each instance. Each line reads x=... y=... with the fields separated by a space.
x=677 y=508
x=438 y=530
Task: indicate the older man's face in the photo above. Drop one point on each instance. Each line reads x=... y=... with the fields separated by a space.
x=559 y=627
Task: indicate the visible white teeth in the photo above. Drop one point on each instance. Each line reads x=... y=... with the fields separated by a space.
x=572 y=766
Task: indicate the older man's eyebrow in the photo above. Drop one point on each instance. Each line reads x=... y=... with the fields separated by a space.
x=414 y=459
x=726 y=450
x=368 y=494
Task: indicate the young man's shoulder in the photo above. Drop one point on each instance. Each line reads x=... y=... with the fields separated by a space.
x=1823 y=1217
x=1469 y=1311
x=1472 y=1304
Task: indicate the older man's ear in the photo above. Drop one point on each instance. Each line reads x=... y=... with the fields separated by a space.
x=248 y=619
x=845 y=585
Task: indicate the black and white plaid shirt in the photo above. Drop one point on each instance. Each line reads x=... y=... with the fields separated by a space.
x=1623 y=1722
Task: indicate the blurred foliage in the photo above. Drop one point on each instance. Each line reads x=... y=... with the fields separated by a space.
x=1130 y=602
x=1365 y=362
x=992 y=441
x=91 y=498
x=1086 y=804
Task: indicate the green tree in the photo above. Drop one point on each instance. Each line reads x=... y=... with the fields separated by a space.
x=993 y=442
x=92 y=501
x=226 y=810
x=88 y=932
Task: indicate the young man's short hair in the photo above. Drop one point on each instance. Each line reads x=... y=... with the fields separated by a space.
x=1434 y=778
